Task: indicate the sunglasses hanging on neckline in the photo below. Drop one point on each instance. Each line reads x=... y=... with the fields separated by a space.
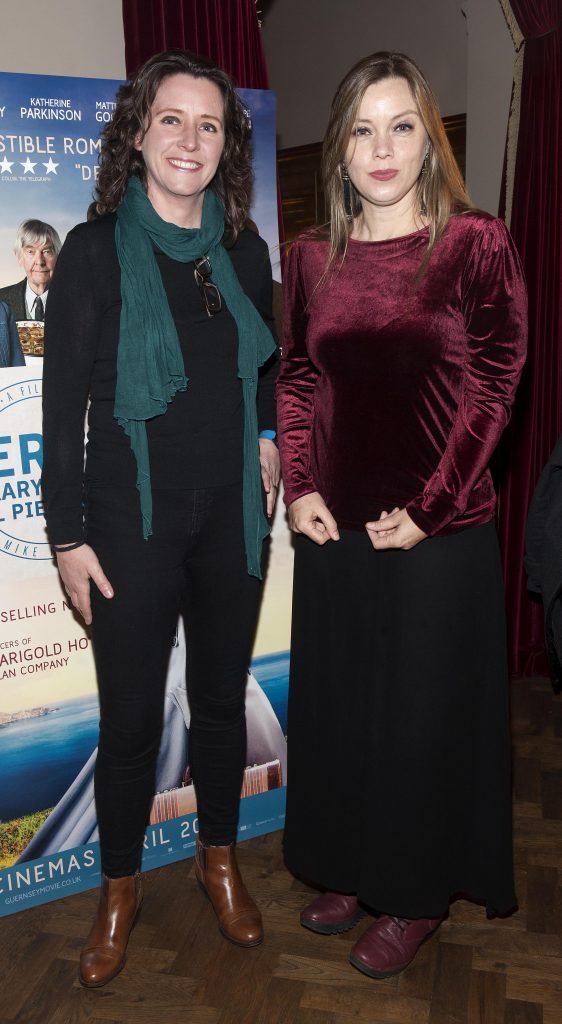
x=209 y=291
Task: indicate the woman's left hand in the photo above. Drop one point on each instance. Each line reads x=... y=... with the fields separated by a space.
x=270 y=472
x=394 y=530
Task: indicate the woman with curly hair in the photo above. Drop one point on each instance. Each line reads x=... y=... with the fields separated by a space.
x=160 y=317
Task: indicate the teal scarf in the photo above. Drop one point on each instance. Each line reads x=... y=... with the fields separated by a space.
x=150 y=367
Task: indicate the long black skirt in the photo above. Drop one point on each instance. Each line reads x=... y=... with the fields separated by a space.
x=399 y=753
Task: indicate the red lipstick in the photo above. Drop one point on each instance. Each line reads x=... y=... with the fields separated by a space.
x=384 y=175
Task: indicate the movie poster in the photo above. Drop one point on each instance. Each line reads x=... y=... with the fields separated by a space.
x=49 y=146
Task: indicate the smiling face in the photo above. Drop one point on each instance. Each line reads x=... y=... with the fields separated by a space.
x=38 y=261
x=387 y=146
x=183 y=146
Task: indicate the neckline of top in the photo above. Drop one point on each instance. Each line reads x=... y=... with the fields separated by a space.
x=401 y=241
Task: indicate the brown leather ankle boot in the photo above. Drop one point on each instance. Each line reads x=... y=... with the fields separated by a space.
x=217 y=872
x=103 y=956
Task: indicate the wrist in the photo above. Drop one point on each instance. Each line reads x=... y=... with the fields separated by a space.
x=59 y=549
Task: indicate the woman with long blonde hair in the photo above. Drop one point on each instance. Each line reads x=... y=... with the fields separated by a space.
x=405 y=335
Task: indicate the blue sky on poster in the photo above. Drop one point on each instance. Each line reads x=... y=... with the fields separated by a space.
x=49 y=127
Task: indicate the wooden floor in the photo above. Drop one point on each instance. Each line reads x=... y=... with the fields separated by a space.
x=180 y=971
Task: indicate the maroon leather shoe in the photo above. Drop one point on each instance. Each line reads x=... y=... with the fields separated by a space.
x=390 y=944
x=332 y=913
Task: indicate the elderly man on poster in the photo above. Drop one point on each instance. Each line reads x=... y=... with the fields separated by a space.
x=36 y=249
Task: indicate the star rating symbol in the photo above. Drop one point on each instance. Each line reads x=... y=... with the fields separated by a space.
x=50 y=166
x=28 y=166
x=6 y=166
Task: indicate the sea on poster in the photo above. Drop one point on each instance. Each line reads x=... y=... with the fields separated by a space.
x=49 y=146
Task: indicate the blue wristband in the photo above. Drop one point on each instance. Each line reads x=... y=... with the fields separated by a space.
x=267 y=435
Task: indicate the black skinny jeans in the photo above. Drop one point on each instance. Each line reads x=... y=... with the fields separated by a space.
x=195 y=565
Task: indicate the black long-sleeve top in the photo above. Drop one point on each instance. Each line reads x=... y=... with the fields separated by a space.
x=198 y=442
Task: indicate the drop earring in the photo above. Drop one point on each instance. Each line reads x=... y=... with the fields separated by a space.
x=347 y=196
x=423 y=173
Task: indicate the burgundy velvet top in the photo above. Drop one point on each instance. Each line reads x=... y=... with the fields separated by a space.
x=394 y=392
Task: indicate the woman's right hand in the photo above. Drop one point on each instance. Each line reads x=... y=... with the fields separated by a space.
x=310 y=515
x=77 y=568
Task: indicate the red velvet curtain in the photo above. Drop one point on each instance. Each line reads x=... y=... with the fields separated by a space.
x=225 y=30
x=532 y=205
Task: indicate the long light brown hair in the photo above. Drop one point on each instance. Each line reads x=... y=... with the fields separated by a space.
x=440 y=187
x=120 y=159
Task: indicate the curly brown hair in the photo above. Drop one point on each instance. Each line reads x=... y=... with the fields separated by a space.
x=119 y=159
